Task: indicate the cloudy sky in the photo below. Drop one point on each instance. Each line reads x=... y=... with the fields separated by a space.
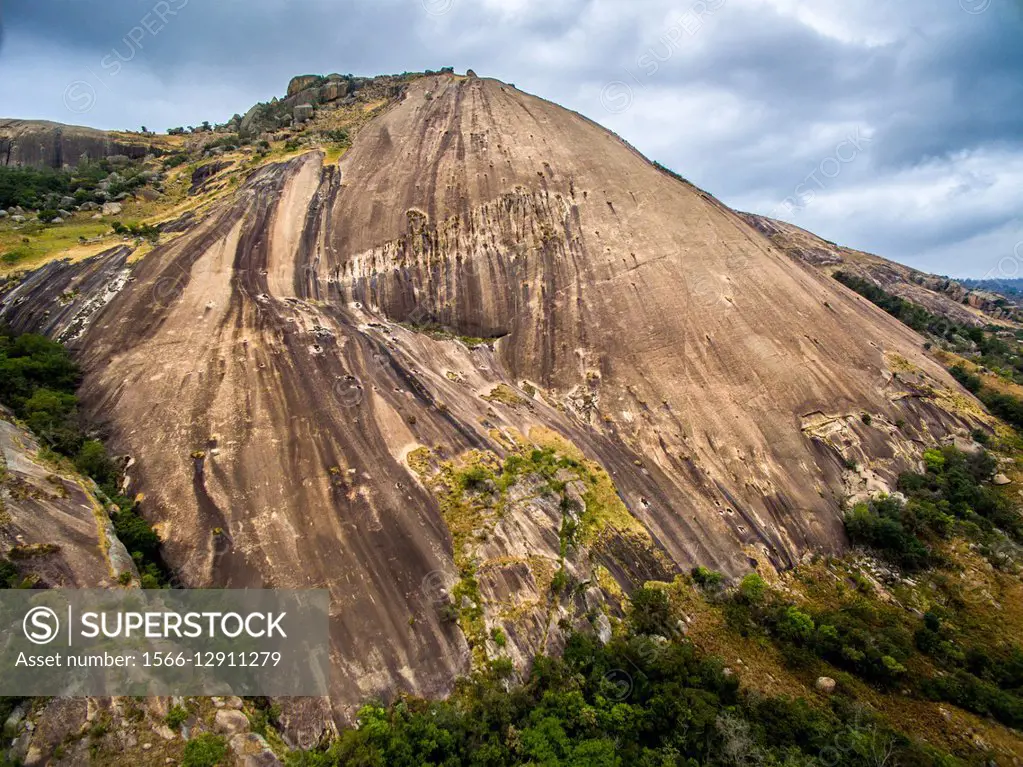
x=894 y=127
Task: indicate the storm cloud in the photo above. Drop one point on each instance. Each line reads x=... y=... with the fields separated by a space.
x=895 y=128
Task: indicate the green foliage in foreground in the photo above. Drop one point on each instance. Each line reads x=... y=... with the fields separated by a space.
x=641 y=701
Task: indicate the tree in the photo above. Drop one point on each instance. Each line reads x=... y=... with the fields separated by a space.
x=93 y=461
x=651 y=613
x=753 y=588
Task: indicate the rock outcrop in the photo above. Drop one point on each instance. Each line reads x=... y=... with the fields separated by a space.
x=484 y=273
x=302 y=82
x=40 y=144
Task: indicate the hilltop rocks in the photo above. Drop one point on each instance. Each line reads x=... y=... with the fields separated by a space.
x=41 y=144
x=333 y=91
x=303 y=112
x=301 y=82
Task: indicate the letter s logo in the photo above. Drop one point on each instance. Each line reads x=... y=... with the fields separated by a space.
x=41 y=625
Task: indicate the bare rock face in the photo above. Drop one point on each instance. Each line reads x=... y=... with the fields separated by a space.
x=592 y=305
x=39 y=144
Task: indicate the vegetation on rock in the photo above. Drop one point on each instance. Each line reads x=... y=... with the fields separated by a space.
x=38 y=380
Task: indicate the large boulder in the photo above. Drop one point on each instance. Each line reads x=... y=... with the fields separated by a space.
x=334 y=90
x=826 y=684
x=303 y=112
x=251 y=750
x=300 y=83
x=230 y=721
x=112 y=208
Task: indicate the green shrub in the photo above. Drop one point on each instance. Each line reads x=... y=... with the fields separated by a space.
x=205 y=750
x=967 y=691
x=475 y=478
x=136 y=534
x=176 y=717
x=969 y=381
x=37 y=381
x=707 y=579
x=796 y=626
x=1005 y=406
x=953 y=489
x=651 y=613
x=9 y=575
x=93 y=461
x=27 y=187
x=135 y=229
x=879 y=525
x=752 y=589
x=339 y=136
